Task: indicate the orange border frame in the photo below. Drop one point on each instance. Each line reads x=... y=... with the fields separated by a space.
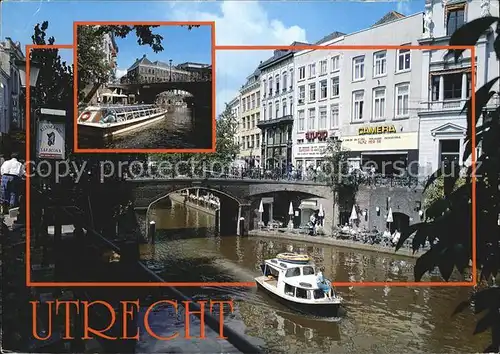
x=252 y=284
x=141 y=23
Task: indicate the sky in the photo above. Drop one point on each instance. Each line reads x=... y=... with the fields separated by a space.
x=237 y=23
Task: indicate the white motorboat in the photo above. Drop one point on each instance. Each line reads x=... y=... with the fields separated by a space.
x=291 y=279
x=115 y=116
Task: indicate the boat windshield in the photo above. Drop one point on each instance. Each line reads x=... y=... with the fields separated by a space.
x=292 y=272
x=270 y=271
x=308 y=270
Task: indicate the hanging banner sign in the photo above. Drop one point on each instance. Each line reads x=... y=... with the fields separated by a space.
x=51 y=143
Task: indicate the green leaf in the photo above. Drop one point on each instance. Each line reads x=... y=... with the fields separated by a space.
x=425 y=263
x=484 y=323
x=445 y=263
x=486 y=299
x=482 y=96
x=407 y=232
x=469 y=34
x=419 y=239
x=461 y=307
x=496 y=45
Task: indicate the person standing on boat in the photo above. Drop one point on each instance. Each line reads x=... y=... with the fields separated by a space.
x=324 y=284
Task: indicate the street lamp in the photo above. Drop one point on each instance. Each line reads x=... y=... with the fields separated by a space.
x=170 y=61
x=34 y=71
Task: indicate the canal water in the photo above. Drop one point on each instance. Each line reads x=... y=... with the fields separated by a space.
x=377 y=320
x=183 y=128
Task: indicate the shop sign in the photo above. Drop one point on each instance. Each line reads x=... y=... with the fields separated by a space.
x=311 y=150
x=51 y=143
x=381 y=142
x=321 y=135
x=381 y=129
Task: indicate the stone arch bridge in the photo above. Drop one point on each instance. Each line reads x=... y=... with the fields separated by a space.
x=238 y=197
x=147 y=92
x=241 y=198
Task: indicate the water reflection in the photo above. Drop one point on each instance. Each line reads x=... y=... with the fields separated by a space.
x=181 y=128
x=378 y=320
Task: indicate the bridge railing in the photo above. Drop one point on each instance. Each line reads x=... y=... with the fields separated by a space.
x=322 y=178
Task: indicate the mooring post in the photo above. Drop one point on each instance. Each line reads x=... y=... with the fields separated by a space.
x=217 y=220
x=57 y=244
x=242 y=229
x=152 y=232
x=117 y=228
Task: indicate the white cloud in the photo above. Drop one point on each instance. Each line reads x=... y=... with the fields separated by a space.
x=120 y=72
x=238 y=23
x=403 y=7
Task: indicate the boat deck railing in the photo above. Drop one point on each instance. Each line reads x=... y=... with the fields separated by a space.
x=119 y=113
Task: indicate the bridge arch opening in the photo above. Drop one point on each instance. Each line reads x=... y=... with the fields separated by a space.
x=401 y=222
x=276 y=207
x=206 y=200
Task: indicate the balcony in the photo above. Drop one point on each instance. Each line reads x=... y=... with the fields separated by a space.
x=288 y=119
x=454 y=105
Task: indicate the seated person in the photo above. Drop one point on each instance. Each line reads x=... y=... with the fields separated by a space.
x=395 y=237
x=324 y=284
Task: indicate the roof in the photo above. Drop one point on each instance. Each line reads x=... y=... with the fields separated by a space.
x=389 y=17
x=280 y=54
x=329 y=37
x=143 y=60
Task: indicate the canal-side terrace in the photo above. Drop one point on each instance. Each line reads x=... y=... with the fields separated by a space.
x=242 y=194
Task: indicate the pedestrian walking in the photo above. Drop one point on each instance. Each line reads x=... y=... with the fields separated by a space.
x=12 y=172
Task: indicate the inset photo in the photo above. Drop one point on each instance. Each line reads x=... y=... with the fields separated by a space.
x=144 y=87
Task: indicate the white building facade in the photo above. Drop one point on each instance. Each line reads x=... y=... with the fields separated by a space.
x=248 y=131
x=277 y=109
x=446 y=84
x=234 y=108
x=316 y=116
x=10 y=89
x=380 y=96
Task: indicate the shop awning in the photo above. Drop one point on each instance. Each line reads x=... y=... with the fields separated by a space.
x=387 y=152
x=308 y=205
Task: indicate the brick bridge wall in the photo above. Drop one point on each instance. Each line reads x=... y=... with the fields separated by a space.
x=247 y=193
x=403 y=200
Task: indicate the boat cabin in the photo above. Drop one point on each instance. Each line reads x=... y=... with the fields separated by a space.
x=114 y=99
x=292 y=279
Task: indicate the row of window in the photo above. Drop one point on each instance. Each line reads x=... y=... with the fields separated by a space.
x=249 y=141
x=278 y=85
x=358 y=109
x=401 y=103
x=286 y=109
x=250 y=102
x=325 y=121
x=323 y=90
x=323 y=68
x=249 y=122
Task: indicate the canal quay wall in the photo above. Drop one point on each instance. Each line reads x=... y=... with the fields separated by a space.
x=81 y=250
x=242 y=197
x=178 y=198
x=328 y=240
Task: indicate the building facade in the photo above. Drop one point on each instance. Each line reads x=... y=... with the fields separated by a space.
x=11 y=116
x=446 y=84
x=317 y=100
x=277 y=107
x=110 y=50
x=234 y=108
x=380 y=96
x=144 y=70
x=248 y=132
x=199 y=71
